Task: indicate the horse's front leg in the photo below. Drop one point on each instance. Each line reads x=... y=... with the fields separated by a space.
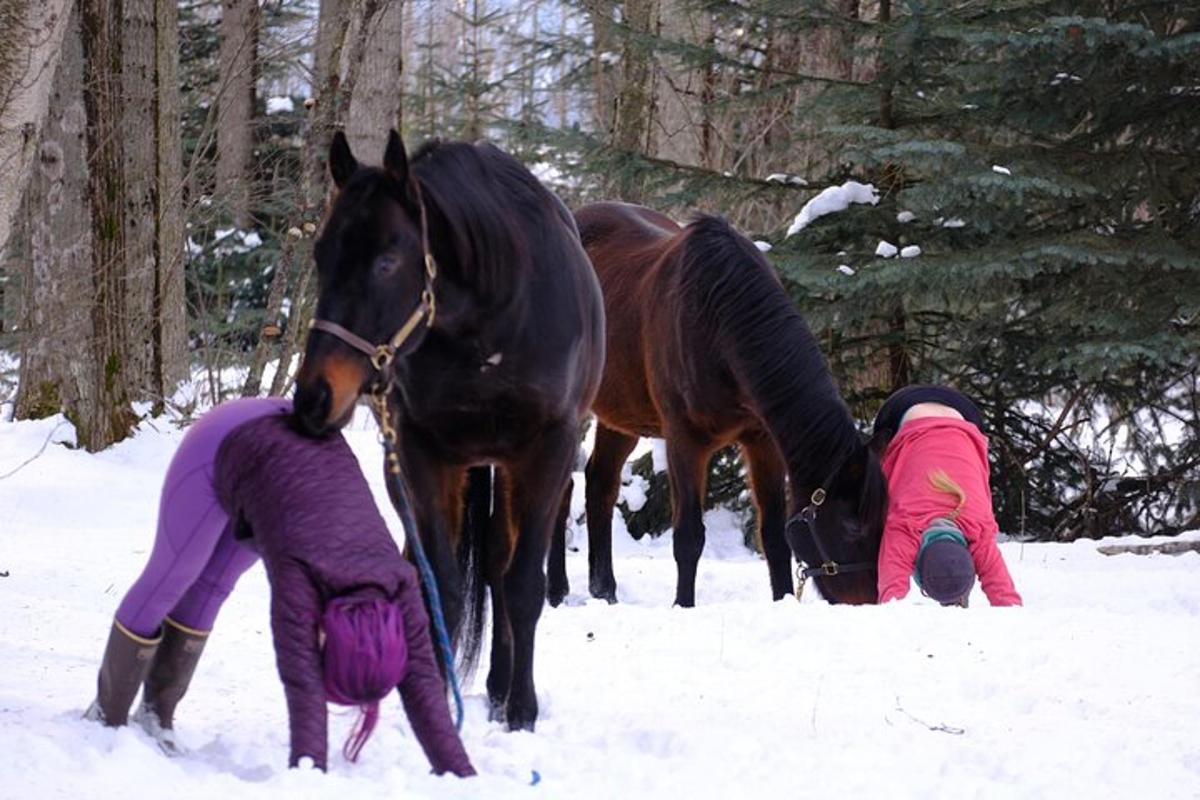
x=436 y=492
x=687 y=467
x=603 y=485
x=768 y=477
x=536 y=483
x=557 y=585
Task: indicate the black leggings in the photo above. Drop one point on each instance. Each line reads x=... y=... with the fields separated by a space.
x=887 y=421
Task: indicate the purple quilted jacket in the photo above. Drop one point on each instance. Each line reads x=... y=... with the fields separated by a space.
x=313 y=519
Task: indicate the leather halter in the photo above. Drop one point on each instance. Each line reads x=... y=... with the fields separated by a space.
x=829 y=567
x=382 y=355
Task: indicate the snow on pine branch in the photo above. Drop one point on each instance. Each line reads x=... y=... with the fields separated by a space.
x=832 y=200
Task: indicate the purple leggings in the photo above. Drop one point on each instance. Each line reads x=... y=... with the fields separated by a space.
x=196 y=560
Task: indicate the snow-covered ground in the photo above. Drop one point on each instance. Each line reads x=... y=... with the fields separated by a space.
x=1090 y=690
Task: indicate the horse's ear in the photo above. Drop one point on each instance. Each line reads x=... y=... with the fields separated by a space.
x=341 y=161
x=395 y=160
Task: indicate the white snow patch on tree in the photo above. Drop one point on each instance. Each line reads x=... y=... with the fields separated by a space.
x=954 y=222
x=280 y=105
x=845 y=269
x=885 y=249
x=832 y=200
x=905 y=217
x=999 y=170
x=764 y=247
x=783 y=177
x=912 y=251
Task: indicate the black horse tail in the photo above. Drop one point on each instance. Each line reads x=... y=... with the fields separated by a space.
x=473 y=566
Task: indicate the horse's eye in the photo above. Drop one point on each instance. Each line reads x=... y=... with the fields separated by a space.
x=386 y=266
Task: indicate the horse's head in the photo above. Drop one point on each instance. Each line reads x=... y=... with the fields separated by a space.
x=836 y=534
x=372 y=274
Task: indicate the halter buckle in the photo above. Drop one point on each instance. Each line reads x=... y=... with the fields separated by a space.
x=818 y=497
x=829 y=568
x=382 y=358
x=430 y=303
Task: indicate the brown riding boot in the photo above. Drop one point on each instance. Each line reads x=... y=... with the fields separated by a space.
x=127 y=658
x=168 y=680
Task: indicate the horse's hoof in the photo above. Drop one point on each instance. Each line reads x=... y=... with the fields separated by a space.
x=518 y=724
x=496 y=711
x=604 y=592
x=555 y=597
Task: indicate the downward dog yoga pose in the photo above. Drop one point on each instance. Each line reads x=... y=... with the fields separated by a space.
x=347 y=616
x=940 y=526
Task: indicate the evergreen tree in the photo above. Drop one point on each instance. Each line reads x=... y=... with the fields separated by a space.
x=1045 y=169
x=1040 y=158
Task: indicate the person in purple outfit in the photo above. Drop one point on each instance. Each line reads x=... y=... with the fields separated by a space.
x=347 y=616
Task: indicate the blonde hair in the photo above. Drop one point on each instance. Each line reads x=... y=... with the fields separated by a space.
x=944 y=483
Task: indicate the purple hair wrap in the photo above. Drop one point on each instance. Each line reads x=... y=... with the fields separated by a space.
x=365 y=658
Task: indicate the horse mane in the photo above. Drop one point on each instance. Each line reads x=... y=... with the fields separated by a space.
x=485 y=198
x=768 y=345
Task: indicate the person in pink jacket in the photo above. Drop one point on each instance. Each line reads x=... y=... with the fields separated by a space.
x=940 y=528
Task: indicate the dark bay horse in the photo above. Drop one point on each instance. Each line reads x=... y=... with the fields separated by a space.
x=705 y=348
x=500 y=371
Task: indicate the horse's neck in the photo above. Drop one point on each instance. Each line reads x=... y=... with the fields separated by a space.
x=802 y=409
x=816 y=447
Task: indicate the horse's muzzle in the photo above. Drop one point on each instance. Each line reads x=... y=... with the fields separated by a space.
x=312 y=405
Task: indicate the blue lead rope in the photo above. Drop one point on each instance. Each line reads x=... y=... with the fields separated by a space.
x=432 y=595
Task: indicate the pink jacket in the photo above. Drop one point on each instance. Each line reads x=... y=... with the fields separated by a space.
x=956 y=447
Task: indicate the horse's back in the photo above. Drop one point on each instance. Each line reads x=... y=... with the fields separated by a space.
x=665 y=365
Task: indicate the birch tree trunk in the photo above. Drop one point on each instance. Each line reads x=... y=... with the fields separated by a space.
x=30 y=49
x=57 y=371
x=235 y=103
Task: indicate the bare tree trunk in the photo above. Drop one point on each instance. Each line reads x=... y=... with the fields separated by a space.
x=153 y=205
x=170 y=300
x=708 y=95
x=235 y=131
x=57 y=371
x=108 y=417
x=30 y=48
x=601 y=14
x=631 y=129
x=329 y=85
x=139 y=201
x=375 y=105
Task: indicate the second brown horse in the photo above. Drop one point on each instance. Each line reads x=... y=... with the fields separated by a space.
x=704 y=349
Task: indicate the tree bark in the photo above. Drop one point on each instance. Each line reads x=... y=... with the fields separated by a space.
x=631 y=126
x=235 y=131
x=375 y=105
x=30 y=49
x=170 y=300
x=107 y=418
x=139 y=200
x=601 y=14
x=153 y=173
x=57 y=372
